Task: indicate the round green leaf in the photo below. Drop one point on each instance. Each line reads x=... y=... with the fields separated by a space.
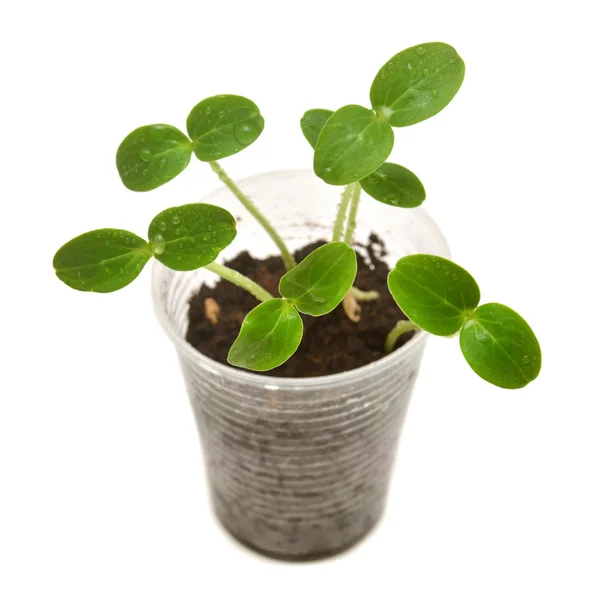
x=152 y=155
x=312 y=122
x=104 y=260
x=270 y=334
x=190 y=236
x=223 y=125
x=433 y=292
x=320 y=282
x=417 y=83
x=352 y=144
x=500 y=346
x=394 y=185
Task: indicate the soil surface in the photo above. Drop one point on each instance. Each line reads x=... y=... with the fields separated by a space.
x=331 y=343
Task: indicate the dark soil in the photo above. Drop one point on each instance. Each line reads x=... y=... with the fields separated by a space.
x=331 y=344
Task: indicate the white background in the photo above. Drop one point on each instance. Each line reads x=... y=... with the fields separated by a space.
x=102 y=494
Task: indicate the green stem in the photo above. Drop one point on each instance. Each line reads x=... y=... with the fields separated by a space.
x=392 y=337
x=238 y=279
x=338 y=226
x=288 y=259
x=354 y=202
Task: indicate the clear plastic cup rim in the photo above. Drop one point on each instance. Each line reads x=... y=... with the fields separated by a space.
x=270 y=382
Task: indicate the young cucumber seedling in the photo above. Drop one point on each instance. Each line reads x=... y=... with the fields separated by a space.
x=218 y=127
x=442 y=298
x=190 y=237
x=351 y=146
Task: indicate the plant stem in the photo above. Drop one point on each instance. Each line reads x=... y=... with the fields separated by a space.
x=238 y=279
x=288 y=259
x=354 y=296
x=364 y=296
x=351 y=225
x=392 y=337
x=338 y=226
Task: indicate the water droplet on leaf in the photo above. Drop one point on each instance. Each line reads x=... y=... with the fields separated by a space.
x=208 y=110
x=162 y=226
x=421 y=50
x=245 y=132
x=435 y=93
x=176 y=219
x=158 y=244
x=145 y=153
x=162 y=163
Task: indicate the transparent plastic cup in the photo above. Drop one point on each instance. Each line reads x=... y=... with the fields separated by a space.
x=298 y=468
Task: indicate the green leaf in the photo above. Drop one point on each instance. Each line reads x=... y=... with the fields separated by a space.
x=270 y=334
x=313 y=122
x=104 y=260
x=433 y=292
x=151 y=156
x=394 y=185
x=500 y=346
x=417 y=83
x=352 y=144
x=191 y=236
x=320 y=282
x=223 y=125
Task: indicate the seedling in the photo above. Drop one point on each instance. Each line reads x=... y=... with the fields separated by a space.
x=351 y=146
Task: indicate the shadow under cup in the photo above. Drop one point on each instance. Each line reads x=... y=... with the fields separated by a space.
x=298 y=468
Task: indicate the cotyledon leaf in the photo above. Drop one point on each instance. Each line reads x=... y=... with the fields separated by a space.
x=417 y=83
x=103 y=260
x=191 y=236
x=223 y=125
x=352 y=144
x=433 y=292
x=312 y=122
x=270 y=334
x=151 y=156
x=320 y=282
x=394 y=185
x=501 y=347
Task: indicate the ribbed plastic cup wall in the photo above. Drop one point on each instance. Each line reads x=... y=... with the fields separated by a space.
x=298 y=468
